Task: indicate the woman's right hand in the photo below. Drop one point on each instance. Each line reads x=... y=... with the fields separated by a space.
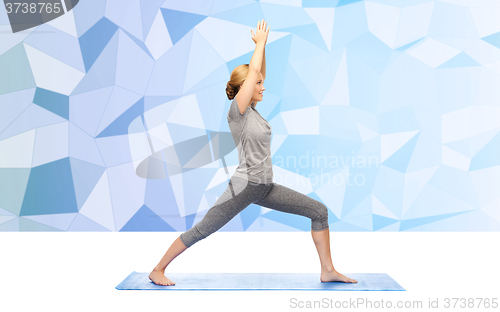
x=261 y=33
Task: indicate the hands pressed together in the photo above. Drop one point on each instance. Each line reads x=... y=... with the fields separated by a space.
x=261 y=32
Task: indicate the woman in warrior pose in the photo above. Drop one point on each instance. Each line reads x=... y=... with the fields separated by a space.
x=252 y=181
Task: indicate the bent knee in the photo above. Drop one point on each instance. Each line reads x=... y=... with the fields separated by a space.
x=320 y=223
x=322 y=212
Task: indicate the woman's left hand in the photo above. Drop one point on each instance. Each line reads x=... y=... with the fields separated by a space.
x=259 y=24
x=253 y=37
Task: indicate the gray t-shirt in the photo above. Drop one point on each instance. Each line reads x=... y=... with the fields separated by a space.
x=252 y=136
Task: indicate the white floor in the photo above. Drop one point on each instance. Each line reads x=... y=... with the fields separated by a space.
x=79 y=271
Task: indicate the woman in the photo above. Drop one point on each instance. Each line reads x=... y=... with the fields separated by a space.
x=252 y=180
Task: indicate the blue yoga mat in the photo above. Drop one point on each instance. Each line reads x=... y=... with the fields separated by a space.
x=258 y=281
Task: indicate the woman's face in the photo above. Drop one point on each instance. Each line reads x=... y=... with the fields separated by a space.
x=259 y=89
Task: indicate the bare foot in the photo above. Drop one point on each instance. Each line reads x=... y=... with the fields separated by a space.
x=159 y=278
x=335 y=276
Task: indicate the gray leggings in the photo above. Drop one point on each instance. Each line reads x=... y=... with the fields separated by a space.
x=240 y=193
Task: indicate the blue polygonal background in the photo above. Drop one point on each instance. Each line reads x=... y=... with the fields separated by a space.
x=386 y=111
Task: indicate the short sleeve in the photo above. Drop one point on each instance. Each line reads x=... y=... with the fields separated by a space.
x=234 y=111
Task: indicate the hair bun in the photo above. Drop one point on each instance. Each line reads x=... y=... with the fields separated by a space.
x=231 y=91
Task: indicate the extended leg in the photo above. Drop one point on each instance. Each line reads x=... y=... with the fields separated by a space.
x=236 y=197
x=157 y=275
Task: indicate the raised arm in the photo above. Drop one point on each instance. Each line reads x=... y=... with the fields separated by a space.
x=263 y=69
x=244 y=95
